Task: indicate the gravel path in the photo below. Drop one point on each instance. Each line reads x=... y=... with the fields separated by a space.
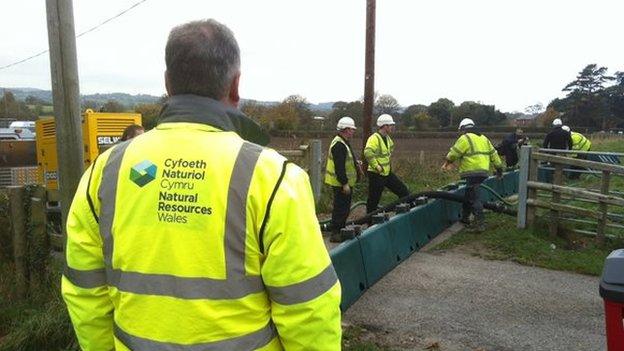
x=460 y=302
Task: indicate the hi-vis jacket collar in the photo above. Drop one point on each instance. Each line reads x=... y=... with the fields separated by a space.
x=199 y=109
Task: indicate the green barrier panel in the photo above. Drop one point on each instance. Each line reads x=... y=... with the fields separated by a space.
x=402 y=235
x=361 y=262
x=349 y=266
x=545 y=175
x=377 y=252
x=453 y=209
x=428 y=221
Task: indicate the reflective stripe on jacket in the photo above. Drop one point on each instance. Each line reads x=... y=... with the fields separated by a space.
x=474 y=153
x=190 y=238
x=330 y=170
x=377 y=153
x=580 y=142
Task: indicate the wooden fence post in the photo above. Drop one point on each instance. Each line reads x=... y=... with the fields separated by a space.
x=40 y=245
x=604 y=189
x=16 y=200
x=532 y=193
x=523 y=177
x=315 y=168
x=556 y=199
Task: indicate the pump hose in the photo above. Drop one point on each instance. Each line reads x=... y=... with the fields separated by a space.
x=433 y=195
x=326 y=222
x=445 y=195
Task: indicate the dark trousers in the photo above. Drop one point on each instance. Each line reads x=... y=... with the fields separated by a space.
x=376 y=185
x=511 y=158
x=577 y=175
x=340 y=212
x=472 y=199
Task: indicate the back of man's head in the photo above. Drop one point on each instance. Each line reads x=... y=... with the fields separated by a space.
x=202 y=58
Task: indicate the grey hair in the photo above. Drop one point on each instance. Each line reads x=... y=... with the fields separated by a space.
x=202 y=58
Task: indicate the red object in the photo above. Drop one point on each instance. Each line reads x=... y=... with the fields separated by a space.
x=614 y=318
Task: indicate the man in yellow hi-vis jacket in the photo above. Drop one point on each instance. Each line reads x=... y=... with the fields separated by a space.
x=377 y=152
x=341 y=173
x=192 y=236
x=475 y=153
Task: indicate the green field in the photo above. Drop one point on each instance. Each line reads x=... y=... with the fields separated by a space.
x=568 y=252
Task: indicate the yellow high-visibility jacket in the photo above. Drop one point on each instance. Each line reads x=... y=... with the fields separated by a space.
x=475 y=153
x=190 y=238
x=580 y=142
x=330 y=170
x=377 y=153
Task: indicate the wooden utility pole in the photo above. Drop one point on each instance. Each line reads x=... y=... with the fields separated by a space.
x=66 y=96
x=369 y=74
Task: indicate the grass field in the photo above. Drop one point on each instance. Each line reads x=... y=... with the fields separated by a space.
x=568 y=252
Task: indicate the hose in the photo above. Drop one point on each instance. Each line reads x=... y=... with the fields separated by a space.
x=492 y=191
x=498 y=196
x=327 y=222
x=433 y=195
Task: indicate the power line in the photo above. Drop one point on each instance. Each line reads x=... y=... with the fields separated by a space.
x=77 y=36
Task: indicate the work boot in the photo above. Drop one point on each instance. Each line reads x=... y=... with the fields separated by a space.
x=477 y=227
x=465 y=220
x=336 y=237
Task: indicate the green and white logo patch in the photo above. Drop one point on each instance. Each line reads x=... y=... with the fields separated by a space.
x=143 y=173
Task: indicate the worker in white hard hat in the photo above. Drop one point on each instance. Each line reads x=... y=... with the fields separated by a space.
x=341 y=173
x=475 y=155
x=377 y=152
x=558 y=138
x=580 y=143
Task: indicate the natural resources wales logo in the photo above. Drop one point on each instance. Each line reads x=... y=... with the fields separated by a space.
x=143 y=173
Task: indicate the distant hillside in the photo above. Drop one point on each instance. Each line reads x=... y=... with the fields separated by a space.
x=323 y=106
x=100 y=99
x=127 y=99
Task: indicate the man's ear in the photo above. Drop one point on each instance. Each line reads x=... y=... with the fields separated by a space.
x=233 y=98
x=167 y=84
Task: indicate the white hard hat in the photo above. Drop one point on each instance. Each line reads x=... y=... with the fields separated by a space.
x=465 y=123
x=345 y=122
x=566 y=128
x=384 y=119
x=557 y=122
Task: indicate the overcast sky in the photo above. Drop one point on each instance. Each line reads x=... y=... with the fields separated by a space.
x=508 y=53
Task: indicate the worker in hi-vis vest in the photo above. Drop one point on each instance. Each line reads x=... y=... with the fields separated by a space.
x=192 y=236
x=341 y=173
x=579 y=143
x=378 y=151
x=475 y=154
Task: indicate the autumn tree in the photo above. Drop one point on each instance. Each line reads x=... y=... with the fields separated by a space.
x=12 y=108
x=149 y=114
x=387 y=104
x=481 y=114
x=113 y=106
x=353 y=109
x=442 y=110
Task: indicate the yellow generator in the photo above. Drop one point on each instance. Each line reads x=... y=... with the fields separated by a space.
x=100 y=130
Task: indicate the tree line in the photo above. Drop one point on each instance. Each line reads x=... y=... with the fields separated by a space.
x=294 y=113
x=594 y=99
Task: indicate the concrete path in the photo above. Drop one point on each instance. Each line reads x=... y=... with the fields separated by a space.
x=460 y=302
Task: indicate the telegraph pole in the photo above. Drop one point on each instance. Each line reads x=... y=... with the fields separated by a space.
x=369 y=70
x=66 y=97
